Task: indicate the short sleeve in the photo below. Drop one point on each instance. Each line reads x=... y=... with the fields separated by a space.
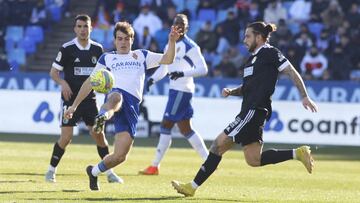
x=278 y=59
x=152 y=59
x=60 y=59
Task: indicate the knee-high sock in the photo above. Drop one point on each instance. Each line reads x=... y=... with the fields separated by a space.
x=207 y=168
x=103 y=151
x=163 y=145
x=99 y=168
x=273 y=156
x=56 y=156
x=198 y=144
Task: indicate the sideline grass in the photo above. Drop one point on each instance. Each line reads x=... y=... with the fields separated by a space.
x=23 y=164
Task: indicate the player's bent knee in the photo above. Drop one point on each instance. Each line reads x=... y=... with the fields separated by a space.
x=115 y=98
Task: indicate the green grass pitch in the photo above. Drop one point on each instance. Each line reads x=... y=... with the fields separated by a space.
x=24 y=160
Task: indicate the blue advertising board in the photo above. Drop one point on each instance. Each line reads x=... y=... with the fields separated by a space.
x=321 y=91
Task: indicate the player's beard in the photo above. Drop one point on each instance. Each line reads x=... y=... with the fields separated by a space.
x=252 y=46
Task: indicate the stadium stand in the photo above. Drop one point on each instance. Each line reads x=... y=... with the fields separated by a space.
x=320 y=29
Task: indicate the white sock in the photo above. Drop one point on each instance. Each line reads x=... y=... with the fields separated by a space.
x=162 y=147
x=109 y=172
x=95 y=171
x=294 y=154
x=194 y=185
x=52 y=168
x=198 y=144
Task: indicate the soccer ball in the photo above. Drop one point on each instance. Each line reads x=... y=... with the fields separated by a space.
x=102 y=81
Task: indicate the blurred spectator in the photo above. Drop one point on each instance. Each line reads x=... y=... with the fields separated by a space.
x=300 y=11
x=205 y=4
x=248 y=13
x=281 y=38
x=161 y=36
x=304 y=29
x=132 y=7
x=317 y=7
x=159 y=7
x=303 y=42
x=323 y=43
x=333 y=15
x=154 y=47
x=145 y=39
x=39 y=14
x=274 y=12
x=353 y=16
x=339 y=64
x=313 y=64
x=170 y=14
x=235 y=57
x=206 y=38
x=4 y=65
x=149 y=19
x=119 y=14
x=225 y=68
x=294 y=56
x=102 y=19
x=223 y=43
x=231 y=28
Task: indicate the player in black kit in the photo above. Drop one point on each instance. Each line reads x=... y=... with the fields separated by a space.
x=77 y=58
x=260 y=75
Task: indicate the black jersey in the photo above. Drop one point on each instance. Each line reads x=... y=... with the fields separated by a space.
x=260 y=76
x=77 y=63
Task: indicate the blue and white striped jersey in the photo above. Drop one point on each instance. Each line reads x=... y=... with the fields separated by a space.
x=189 y=60
x=129 y=69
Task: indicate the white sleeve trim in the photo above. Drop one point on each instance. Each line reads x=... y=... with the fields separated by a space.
x=283 y=66
x=57 y=66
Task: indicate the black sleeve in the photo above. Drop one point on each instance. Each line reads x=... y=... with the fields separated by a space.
x=277 y=58
x=60 y=59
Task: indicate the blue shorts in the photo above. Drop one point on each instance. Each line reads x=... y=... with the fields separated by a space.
x=127 y=117
x=178 y=107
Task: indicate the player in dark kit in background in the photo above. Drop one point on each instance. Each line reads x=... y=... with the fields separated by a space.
x=260 y=75
x=77 y=58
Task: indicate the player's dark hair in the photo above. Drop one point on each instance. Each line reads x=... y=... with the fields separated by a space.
x=82 y=17
x=262 y=28
x=124 y=27
x=182 y=18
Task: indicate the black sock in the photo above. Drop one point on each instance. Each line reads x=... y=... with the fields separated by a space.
x=207 y=168
x=273 y=156
x=103 y=151
x=56 y=155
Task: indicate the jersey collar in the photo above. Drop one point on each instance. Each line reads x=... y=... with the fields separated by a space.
x=258 y=49
x=81 y=47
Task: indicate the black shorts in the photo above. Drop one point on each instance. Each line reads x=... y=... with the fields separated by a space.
x=247 y=127
x=87 y=111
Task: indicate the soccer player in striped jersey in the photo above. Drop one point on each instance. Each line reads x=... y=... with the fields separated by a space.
x=128 y=67
x=189 y=63
x=261 y=71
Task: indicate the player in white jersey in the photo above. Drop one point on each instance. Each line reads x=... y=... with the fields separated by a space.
x=189 y=63
x=128 y=68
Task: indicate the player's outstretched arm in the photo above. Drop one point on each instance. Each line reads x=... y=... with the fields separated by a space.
x=169 y=55
x=83 y=92
x=299 y=83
